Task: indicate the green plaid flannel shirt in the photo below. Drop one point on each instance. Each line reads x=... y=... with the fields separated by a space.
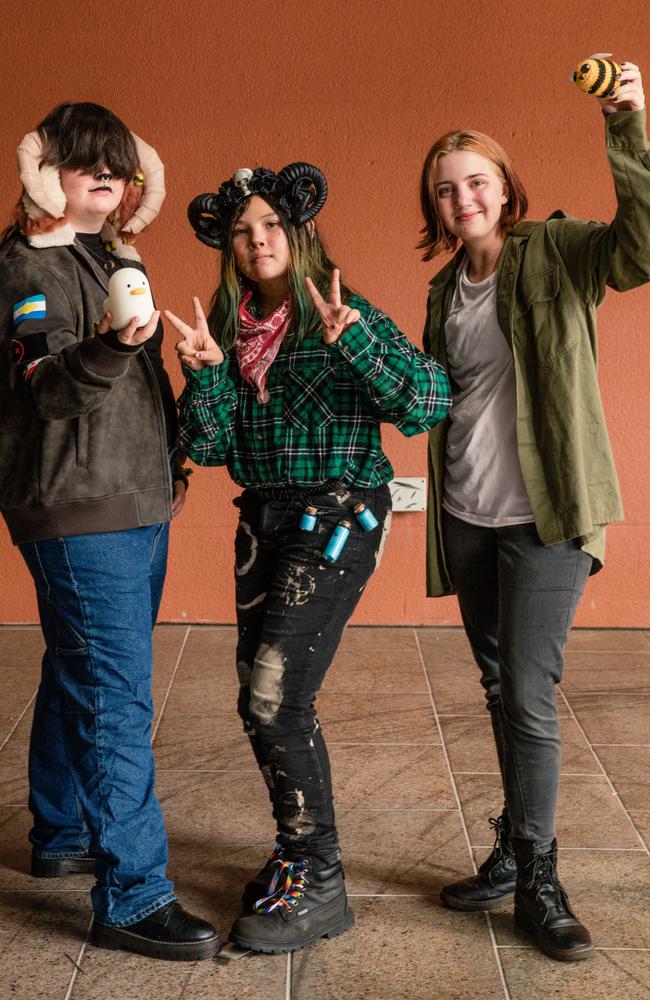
x=322 y=421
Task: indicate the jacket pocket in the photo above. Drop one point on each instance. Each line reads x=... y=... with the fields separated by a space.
x=537 y=288
x=546 y=323
x=308 y=397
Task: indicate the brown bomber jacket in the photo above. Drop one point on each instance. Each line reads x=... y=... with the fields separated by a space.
x=83 y=444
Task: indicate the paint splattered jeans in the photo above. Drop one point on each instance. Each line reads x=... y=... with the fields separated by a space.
x=292 y=608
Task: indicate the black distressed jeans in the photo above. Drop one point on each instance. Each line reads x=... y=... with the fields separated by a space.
x=518 y=598
x=292 y=608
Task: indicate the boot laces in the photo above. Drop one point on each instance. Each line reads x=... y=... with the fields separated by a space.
x=543 y=876
x=499 y=826
x=286 y=886
x=502 y=846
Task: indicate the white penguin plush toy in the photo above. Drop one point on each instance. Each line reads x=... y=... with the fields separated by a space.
x=129 y=295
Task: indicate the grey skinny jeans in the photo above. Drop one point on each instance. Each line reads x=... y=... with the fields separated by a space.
x=518 y=598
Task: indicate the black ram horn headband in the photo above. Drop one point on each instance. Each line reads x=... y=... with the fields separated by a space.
x=298 y=190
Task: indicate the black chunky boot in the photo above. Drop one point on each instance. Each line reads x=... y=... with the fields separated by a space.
x=258 y=886
x=82 y=864
x=542 y=907
x=496 y=878
x=170 y=932
x=304 y=901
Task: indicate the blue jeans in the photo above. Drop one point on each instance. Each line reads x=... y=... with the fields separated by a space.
x=91 y=763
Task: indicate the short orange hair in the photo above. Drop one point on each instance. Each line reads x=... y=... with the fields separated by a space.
x=436 y=238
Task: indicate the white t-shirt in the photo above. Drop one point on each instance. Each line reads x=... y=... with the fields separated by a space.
x=483 y=482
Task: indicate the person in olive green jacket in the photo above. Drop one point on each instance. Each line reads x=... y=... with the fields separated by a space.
x=522 y=480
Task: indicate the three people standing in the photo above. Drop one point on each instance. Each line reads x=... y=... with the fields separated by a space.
x=287 y=382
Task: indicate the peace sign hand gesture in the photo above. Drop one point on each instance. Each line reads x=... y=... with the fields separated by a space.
x=197 y=349
x=336 y=318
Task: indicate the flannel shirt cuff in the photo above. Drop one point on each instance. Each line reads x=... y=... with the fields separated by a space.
x=206 y=379
x=356 y=345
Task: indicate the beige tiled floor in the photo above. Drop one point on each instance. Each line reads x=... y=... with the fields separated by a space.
x=415 y=780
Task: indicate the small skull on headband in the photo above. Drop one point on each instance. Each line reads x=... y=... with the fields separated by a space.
x=240 y=179
x=298 y=191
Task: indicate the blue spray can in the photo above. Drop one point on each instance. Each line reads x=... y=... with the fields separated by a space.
x=365 y=517
x=308 y=519
x=338 y=538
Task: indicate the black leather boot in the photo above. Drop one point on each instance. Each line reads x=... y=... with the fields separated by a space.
x=496 y=878
x=542 y=907
x=305 y=901
x=258 y=886
x=169 y=933
x=82 y=864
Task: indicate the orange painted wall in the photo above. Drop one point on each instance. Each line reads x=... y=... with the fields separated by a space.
x=361 y=89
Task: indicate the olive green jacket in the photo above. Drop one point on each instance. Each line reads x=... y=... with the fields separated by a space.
x=551 y=278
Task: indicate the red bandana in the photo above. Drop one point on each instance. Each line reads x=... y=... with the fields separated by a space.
x=258 y=343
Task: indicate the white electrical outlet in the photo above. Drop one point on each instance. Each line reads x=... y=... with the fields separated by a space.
x=409 y=493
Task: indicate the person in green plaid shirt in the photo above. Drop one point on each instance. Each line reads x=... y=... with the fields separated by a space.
x=288 y=381
x=326 y=403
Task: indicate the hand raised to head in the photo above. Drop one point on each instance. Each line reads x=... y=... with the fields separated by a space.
x=197 y=348
x=335 y=318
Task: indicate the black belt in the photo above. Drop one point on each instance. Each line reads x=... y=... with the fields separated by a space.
x=295 y=492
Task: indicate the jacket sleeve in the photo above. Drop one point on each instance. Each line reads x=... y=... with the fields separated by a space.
x=617 y=254
x=207 y=414
x=65 y=377
x=407 y=388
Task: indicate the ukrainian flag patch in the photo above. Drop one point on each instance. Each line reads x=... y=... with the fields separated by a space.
x=32 y=308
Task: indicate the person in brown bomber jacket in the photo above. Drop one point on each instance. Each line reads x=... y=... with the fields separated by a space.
x=87 y=426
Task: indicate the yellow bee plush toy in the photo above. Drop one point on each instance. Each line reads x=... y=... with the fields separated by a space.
x=597 y=76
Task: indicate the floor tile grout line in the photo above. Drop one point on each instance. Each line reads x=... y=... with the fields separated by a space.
x=561 y=850
x=506 y=991
x=393 y=895
x=635 y=746
x=155 y=733
x=20 y=627
x=532 y=947
x=444 y=746
x=604 y=947
x=206 y=770
x=609 y=780
x=82 y=952
x=171 y=681
x=479 y=715
x=563 y=774
x=388 y=809
x=288 y=986
x=342 y=743
x=18 y=721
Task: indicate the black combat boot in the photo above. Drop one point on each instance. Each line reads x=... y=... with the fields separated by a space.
x=169 y=932
x=305 y=900
x=496 y=877
x=542 y=907
x=82 y=864
x=259 y=884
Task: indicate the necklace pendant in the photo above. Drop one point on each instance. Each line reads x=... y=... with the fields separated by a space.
x=109 y=265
